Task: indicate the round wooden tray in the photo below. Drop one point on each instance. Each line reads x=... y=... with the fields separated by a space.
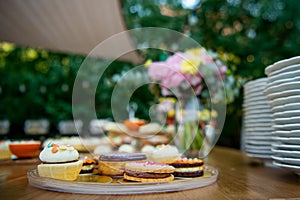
x=121 y=187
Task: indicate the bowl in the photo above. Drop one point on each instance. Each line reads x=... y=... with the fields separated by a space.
x=26 y=149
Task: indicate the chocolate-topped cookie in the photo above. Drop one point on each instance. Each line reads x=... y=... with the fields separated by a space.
x=122 y=157
x=188 y=167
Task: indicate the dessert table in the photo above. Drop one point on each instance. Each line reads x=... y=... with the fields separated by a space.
x=240 y=177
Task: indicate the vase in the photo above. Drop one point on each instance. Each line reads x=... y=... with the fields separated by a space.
x=188 y=132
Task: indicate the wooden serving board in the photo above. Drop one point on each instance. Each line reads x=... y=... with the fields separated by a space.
x=117 y=186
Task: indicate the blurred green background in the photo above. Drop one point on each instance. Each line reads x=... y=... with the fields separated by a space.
x=248 y=35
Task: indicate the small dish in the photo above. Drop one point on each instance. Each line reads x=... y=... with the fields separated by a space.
x=28 y=149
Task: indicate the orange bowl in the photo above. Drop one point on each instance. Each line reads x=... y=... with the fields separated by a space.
x=25 y=150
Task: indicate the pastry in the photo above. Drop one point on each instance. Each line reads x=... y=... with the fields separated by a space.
x=150 y=129
x=88 y=165
x=114 y=164
x=134 y=124
x=188 y=167
x=126 y=148
x=148 y=149
x=59 y=162
x=4 y=150
x=164 y=154
x=148 y=172
x=103 y=149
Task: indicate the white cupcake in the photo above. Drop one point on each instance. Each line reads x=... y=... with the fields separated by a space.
x=164 y=154
x=59 y=162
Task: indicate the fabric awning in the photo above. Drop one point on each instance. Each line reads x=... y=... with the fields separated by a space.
x=70 y=26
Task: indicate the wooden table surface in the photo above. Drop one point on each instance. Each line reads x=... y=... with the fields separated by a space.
x=240 y=177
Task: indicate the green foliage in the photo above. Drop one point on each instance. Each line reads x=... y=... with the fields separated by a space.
x=38 y=84
x=251 y=34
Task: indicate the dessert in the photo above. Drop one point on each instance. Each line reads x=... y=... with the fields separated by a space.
x=25 y=149
x=188 y=167
x=148 y=149
x=4 y=150
x=88 y=165
x=126 y=148
x=114 y=164
x=134 y=124
x=150 y=129
x=103 y=149
x=164 y=154
x=59 y=162
x=148 y=172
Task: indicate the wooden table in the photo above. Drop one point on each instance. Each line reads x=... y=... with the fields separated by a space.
x=239 y=178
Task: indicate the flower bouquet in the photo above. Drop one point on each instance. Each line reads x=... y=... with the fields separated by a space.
x=189 y=76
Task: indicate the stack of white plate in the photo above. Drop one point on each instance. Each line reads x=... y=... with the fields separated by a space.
x=257 y=120
x=283 y=92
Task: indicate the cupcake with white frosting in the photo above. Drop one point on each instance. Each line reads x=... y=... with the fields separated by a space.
x=164 y=154
x=59 y=162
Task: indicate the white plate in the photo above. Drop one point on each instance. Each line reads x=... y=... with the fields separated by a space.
x=255 y=127
x=255 y=134
x=256 y=82
x=254 y=95
x=286 y=153
x=287 y=140
x=294 y=168
x=287 y=133
x=291 y=161
x=286 y=107
x=257 y=116
x=283 y=81
x=287 y=120
x=255 y=90
x=256 y=103
x=286 y=146
x=285 y=100
x=250 y=114
x=282 y=87
x=282 y=64
x=253 y=155
x=285 y=75
x=259 y=151
x=259 y=129
x=285 y=69
x=285 y=93
x=287 y=127
x=288 y=113
x=262 y=145
x=267 y=139
x=258 y=108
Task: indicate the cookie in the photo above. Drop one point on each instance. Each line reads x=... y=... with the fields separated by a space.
x=148 y=172
x=188 y=167
x=114 y=164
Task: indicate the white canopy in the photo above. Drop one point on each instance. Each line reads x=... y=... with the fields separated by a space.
x=70 y=26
